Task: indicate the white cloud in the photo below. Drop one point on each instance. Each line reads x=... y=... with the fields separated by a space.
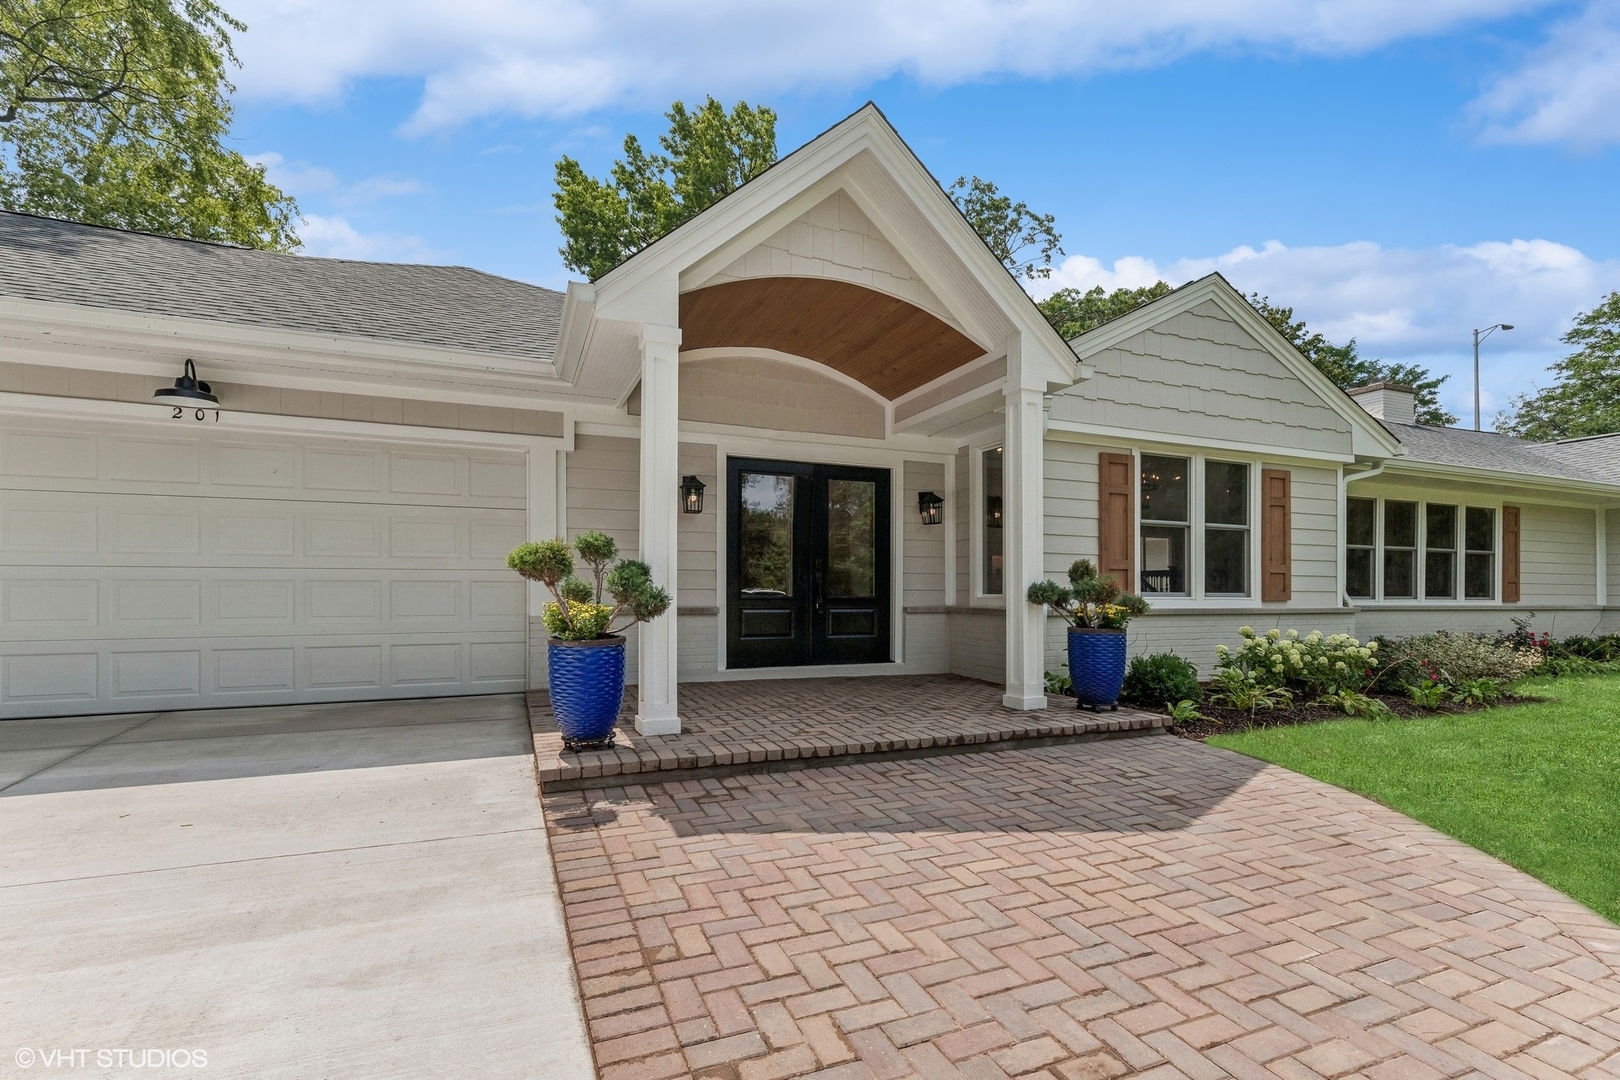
x=1411 y=305
x=567 y=57
x=302 y=180
x=1567 y=91
x=334 y=238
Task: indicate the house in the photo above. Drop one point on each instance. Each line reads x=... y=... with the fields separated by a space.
x=831 y=352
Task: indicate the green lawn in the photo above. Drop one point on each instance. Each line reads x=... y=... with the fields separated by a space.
x=1538 y=786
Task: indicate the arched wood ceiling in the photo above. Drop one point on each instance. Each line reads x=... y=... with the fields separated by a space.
x=881 y=341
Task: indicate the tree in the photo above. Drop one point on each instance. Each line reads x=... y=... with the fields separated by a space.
x=1008 y=228
x=707 y=154
x=115 y=112
x=1585 y=396
x=1348 y=368
x=1074 y=312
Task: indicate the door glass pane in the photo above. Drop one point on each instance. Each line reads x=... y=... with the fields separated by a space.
x=767 y=535
x=992 y=526
x=1226 y=494
x=851 y=538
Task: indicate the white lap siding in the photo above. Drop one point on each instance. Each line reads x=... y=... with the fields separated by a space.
x=925 y=636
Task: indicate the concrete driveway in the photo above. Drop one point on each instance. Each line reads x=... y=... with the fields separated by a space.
x=316 y=891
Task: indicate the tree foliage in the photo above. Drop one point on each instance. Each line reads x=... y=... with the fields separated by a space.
x=1023 y=240
x=1348 y=368
x=707 y=153
x=1074 y=312
x=1584 y=399
x=115 y=112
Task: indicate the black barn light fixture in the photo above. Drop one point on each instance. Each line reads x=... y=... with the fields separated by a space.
x=187 y=390
x=691 y=495
x=929 y=507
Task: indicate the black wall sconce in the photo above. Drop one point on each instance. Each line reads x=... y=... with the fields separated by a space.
x=187 y=390
x=930 y=507
x=691 y=495
x=992 y=511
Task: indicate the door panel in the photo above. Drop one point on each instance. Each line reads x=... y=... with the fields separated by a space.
x=807 y=565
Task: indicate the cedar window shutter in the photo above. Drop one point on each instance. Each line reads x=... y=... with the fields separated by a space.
x=1276 y=535
x=1116 y=519
x=1510 y=554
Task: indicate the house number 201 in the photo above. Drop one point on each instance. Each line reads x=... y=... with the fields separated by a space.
x=196 y=414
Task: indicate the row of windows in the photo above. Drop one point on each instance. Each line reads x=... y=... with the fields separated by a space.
x=1396 y=550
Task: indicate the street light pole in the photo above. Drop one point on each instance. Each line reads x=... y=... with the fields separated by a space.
x=1479 y=336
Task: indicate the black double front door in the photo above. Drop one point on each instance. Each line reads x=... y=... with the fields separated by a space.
x=807 y=564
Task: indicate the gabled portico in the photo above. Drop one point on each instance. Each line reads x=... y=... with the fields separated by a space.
x=848 y=336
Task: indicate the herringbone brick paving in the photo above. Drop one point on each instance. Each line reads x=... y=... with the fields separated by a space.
x=738 y=723
x=1153 y=907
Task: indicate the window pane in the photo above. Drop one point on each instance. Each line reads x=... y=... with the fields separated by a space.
x=1480 y=527
x=1358 y=572
x=1226 y=562
x=1400 y=575
x=1359 y=515
x=1439 y=575
x=992 y=525
x=1440 y=528
x=851 y=538
x=1479 y=576
x=767 y=534
x=1164 y=559
x=1164 y=488
x=1226 y=493
x=1400 y=524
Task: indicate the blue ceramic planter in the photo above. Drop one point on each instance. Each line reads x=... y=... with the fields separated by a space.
x=1096 y=666
x=587 y=688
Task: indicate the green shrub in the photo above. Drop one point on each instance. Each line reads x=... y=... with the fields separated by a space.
x=1457 y=660
x=1355 y=703
x=1237 y=688
x=1314 y=665
x=1161 y=679
x=1427 y=694
x=578 y=610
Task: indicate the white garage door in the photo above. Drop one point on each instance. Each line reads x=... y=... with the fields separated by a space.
x=147 y=568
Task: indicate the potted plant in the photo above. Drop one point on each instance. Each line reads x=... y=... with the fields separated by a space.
x=585 y=654
x=1097 y=612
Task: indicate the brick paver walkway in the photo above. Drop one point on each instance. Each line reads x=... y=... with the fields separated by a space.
x=743 y=723
x=1151 y=907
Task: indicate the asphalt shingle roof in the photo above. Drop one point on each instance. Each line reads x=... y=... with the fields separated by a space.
x=445 y=306
x=1599 y=453
x=1502 y=453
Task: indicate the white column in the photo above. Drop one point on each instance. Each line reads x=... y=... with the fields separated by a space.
x=660 y=509
x=1024 y=551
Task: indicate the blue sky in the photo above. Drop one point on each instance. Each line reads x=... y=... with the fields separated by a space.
x=1397 y=172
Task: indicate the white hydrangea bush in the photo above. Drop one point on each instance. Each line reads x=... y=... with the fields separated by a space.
x=1314 y=665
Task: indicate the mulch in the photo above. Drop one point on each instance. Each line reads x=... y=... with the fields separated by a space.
x=1222 y=721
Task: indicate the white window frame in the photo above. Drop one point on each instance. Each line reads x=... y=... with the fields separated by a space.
x=976 y=500
x=1420 y=570
x=1196 y=597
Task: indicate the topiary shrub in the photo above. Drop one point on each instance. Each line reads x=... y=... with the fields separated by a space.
x=1160 y=680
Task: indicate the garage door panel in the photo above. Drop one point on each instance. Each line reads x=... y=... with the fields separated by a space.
x=72 y=528
x=150 y=570
x=46 y=455
x=46 y=679
x=146 y=460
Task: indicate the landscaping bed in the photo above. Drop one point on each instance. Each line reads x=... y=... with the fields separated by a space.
x=1217 y=720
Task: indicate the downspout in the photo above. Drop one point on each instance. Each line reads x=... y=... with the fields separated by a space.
x=1344 y=494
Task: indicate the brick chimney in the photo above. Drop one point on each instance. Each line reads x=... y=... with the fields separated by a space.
x=1388 y=401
